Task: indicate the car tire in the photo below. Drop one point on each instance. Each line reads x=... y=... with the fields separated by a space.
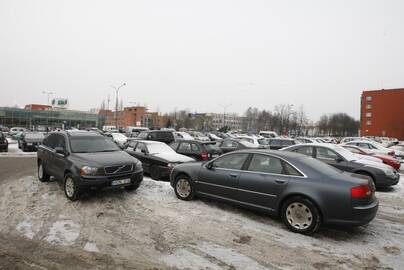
x=71 y=189
x=300 y=215
x=183 y=188
x=154 y=172
x=42 y=175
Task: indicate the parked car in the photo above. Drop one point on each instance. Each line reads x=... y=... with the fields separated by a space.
x=386 y=159
x=339 y=157
x=118 y=138
x=14 y=130
x=279 y=143
x=230 y=145
x=375 y=147
x=213 y=137
x=398 y=151
x=158 y=159
x=133 y=132
x=4 y=129
x=199 y=136
x=3 y=142
x=164 y=136
x=182 y=136
x=198 y=150
x=268 y=134
x=30 y=141
x=86 y=160
x=260 y=142
x=303 y=191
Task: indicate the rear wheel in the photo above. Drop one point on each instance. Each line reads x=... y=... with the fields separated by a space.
x=42 y=175
x=183 y=188
x=154 y=172
x=72 y=191
x=300 y=215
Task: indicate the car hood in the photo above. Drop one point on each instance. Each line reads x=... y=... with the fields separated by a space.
x=373 y=164
x=102 y=159
x=173 y=157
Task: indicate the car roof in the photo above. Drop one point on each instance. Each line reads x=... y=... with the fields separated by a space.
x=195 y=141
x=282 y=154
x=147 y=142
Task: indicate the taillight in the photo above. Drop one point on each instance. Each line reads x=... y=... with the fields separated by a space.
x=362 y=191
x=204 y=156
x=391 y=153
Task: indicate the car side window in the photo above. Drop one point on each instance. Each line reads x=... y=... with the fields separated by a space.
x=132 y=145
x=291 y=170
x=184 y=147
x=232 y=161
x=266 y=164
x=140 y=147
x=195 y=148
x=326 y=154
x=60 y=141
x=305 y=150
x=50 y=141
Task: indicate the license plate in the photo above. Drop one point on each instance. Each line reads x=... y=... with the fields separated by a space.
x=120 y=182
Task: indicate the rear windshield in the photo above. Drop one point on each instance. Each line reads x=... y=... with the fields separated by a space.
x=91 y=144
x=319 y=166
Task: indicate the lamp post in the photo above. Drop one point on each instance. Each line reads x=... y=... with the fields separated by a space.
x=47 y=114
x=224 y=112
x=116 y=102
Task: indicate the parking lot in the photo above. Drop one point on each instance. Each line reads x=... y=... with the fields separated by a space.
x=152 y=229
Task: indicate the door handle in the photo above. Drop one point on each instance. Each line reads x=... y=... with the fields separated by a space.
x=233 y=175
x=280 y=181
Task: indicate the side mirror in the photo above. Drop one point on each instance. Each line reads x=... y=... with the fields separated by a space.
x=149 y=137
x=144 y=151
x=60 y=150
x=209 y=166
x=339 y=159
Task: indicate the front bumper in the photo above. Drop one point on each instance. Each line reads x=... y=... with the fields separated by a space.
x=99 y=182
x=384 y=181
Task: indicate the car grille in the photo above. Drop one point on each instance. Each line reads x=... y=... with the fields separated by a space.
x=120 y=169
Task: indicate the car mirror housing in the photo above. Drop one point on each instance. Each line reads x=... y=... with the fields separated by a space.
x=339 y=159
x=209 y=165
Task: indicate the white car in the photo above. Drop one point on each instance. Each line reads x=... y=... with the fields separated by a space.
x=183 y=135
x=374 y=147
x=262 y=143
x=119 y=138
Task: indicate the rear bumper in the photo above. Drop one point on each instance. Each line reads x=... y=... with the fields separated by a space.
x=360 y=215
x=100 y=182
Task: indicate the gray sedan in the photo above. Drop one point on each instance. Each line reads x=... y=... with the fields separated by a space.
x=303 y=191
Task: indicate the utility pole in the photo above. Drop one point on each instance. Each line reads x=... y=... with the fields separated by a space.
x=116 y=102
x=224 y=112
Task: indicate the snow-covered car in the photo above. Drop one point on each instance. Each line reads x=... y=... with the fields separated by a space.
x=399 y=151
x=183 y=136
x=198 y=136
x=374 y=147
x=367 y=154
x=118 y=138
x=260 y=142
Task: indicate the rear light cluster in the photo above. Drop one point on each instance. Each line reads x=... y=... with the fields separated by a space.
x=204 y=156
x=391 y=153
x=362 y=191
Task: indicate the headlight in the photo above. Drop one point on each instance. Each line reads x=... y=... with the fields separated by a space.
x=389 y=173
x=87 y=170
x=171 y=166
x=138 y=166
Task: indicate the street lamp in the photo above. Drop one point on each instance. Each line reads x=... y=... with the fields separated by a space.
x=224 y=112
x=116 y=102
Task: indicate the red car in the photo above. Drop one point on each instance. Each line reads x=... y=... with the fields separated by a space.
x=388 y=160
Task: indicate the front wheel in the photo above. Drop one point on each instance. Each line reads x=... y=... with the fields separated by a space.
x=72 y=191
x=42 y=175
x=183 y=188
x=300 y=215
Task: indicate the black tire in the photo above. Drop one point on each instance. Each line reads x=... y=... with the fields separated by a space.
x=180 y=188
x=70 y=187
x=133 y=186
x=154 y=172
x=43 y=176
x=307 y=218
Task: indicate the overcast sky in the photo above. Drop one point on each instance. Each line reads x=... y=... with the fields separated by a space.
x=198 y=54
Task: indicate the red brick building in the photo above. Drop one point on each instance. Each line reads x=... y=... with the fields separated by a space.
x=37 y=107
x=382 y=113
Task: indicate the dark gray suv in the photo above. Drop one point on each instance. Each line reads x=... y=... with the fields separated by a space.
x=87 y=160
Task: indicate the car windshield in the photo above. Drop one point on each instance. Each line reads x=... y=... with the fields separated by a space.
x=91 y=144
x=119 y=136
x=248 y=144
x=156 y=148
x=345 y=153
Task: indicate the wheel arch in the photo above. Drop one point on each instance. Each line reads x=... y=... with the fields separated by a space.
x=297 y=194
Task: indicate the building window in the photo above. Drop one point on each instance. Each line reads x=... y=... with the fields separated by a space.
x=368 y=114
x=369 y=98
x=368 y=123
x=368 y=106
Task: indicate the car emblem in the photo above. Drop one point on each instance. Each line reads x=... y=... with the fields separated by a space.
x=120 y=168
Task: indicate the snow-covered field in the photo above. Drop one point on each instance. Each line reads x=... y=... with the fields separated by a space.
x=152 y=228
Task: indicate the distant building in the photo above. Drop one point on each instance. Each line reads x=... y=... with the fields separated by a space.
x=231 y=120
x=382 y=113
x=137 y=116
x=37 y=107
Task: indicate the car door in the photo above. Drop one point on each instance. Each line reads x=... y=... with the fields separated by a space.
x=332 y=158
x=219 y=178
x=140 y=152
x=59 y=160
x=47 y=153
x=262 y=183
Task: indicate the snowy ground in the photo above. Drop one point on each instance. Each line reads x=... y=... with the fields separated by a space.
x=152 y=229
